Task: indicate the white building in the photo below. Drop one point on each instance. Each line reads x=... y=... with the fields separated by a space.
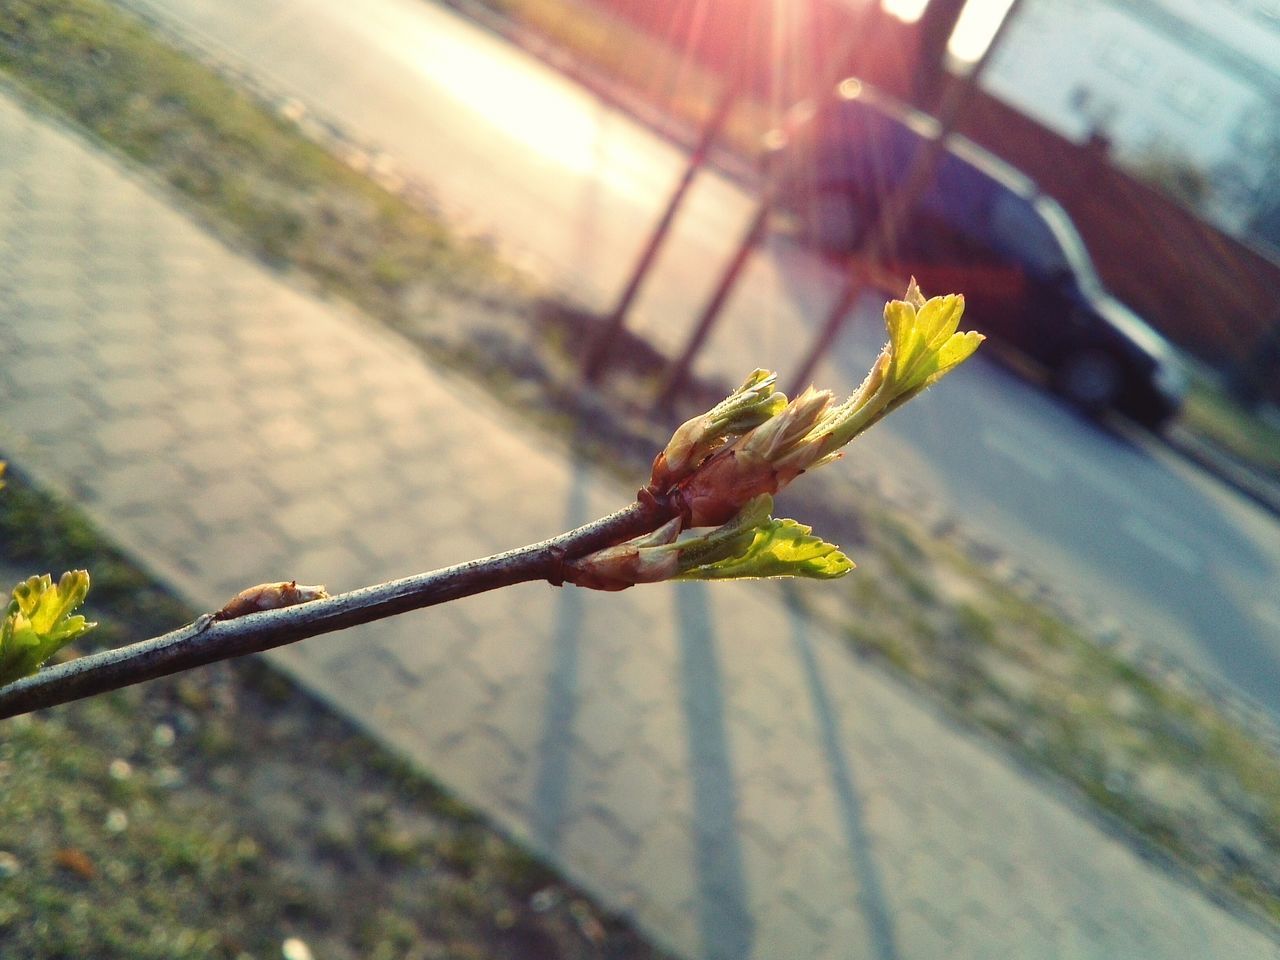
x=1189 y=85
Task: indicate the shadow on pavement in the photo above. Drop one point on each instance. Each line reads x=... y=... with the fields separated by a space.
x=724 y=916
x=551 y=786
x=875 y=905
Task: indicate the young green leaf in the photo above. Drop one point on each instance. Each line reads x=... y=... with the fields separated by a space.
x=780 y=548
x=924 y=345
x=38 y=622
x=750 y=545
x=753 y=403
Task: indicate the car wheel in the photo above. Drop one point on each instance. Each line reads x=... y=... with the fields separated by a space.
x=834 y=221
x=1157 y=423
x=1090 y=379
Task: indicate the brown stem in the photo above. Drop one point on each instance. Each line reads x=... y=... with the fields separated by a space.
x=208 y=641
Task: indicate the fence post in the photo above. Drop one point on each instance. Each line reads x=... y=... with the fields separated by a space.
x=711 y=312
x=598 y=354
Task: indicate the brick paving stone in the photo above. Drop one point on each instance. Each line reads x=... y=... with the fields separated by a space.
x=334 y=563
x=647 y=677
x=635 y=789
x=924 y=929
x=47 y=330
x=601 y=848
x=41 y=369
x=783 y=930
x=38 y=412
x=358 y=676
x=314 y=517
x=498 y=660
x=702 y=759
x=285 y=411
x=482 y=756
x=431 y=642
x=606 y=717
x=292 y=473
x=788 y=763
x=773 y=808
x=142 y=393
x=216 y=459
x=455 y=699
x=819 y=864
x=1029 y=938
x=209 y=417
x=234 y=555
x=133 y=434
x=126 y=484
x=675 y=928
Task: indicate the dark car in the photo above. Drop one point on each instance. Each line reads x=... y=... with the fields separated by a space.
x=982 y=228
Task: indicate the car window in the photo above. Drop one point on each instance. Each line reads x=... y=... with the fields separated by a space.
x=934 y=238
x=867 y=150
x=1019 y=232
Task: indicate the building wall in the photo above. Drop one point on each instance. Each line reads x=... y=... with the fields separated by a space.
x=1161 y=90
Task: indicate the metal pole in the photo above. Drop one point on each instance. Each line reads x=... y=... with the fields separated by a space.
x=828 y=332
x=679 y=370
x=893 y=213
x=711 y=312
x=594 y=363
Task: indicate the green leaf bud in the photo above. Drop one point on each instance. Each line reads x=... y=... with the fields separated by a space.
x=38 y=622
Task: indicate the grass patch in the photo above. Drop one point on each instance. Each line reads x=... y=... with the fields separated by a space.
x=1211 y=414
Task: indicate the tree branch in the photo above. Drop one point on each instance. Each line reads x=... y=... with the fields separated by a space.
x=718 y=472
x=206 y=641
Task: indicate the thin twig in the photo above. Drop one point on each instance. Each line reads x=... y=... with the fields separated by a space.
x=205 y=642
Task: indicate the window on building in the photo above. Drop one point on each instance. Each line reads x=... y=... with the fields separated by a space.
x=1269 y=10
x=1190 y=98
x=1257 y=133
x=1123 y=61
x=1019 y=232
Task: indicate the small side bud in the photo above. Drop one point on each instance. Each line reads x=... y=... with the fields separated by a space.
x=645 y=559
x=269 y=596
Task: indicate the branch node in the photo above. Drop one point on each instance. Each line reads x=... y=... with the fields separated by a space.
x=556 y=568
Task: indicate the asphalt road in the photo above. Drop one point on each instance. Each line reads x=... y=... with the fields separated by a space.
x=568 y=188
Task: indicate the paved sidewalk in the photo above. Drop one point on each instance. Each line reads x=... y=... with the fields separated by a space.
x=701 y=758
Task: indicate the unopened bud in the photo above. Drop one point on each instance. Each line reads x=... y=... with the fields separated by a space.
x=270 y=596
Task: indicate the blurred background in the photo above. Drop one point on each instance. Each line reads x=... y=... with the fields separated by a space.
x=339 y=292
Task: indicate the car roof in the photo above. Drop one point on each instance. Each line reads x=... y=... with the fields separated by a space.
x=927 y=127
